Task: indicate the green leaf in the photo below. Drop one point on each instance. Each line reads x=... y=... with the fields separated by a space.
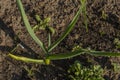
x=25 y=59
x=37 y=17
x=47 y=20
x=27 y=25
x=102 y=53
x=64 y=55
x=79 y=52
x=67 y=31
x=52 y=30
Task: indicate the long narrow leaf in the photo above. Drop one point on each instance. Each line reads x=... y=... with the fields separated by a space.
x=67 y=31
x=79 y=52
x=27 y=24
x=25 y=59
x=101 y=53
x=64 y=55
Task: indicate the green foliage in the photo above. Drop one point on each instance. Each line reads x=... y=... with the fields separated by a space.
x=80 y=72
x=43 y=24
x=66 y=32
x=28 y=26
x=25 y=59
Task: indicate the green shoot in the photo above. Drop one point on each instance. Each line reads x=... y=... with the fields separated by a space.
x=27 y=25
x=25 y=59
x=64 y=55
x=103 y=53
x=37 y=17
x=44 y=25
x=67 y=31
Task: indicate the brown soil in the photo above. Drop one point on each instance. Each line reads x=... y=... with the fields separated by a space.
x=100 y=36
